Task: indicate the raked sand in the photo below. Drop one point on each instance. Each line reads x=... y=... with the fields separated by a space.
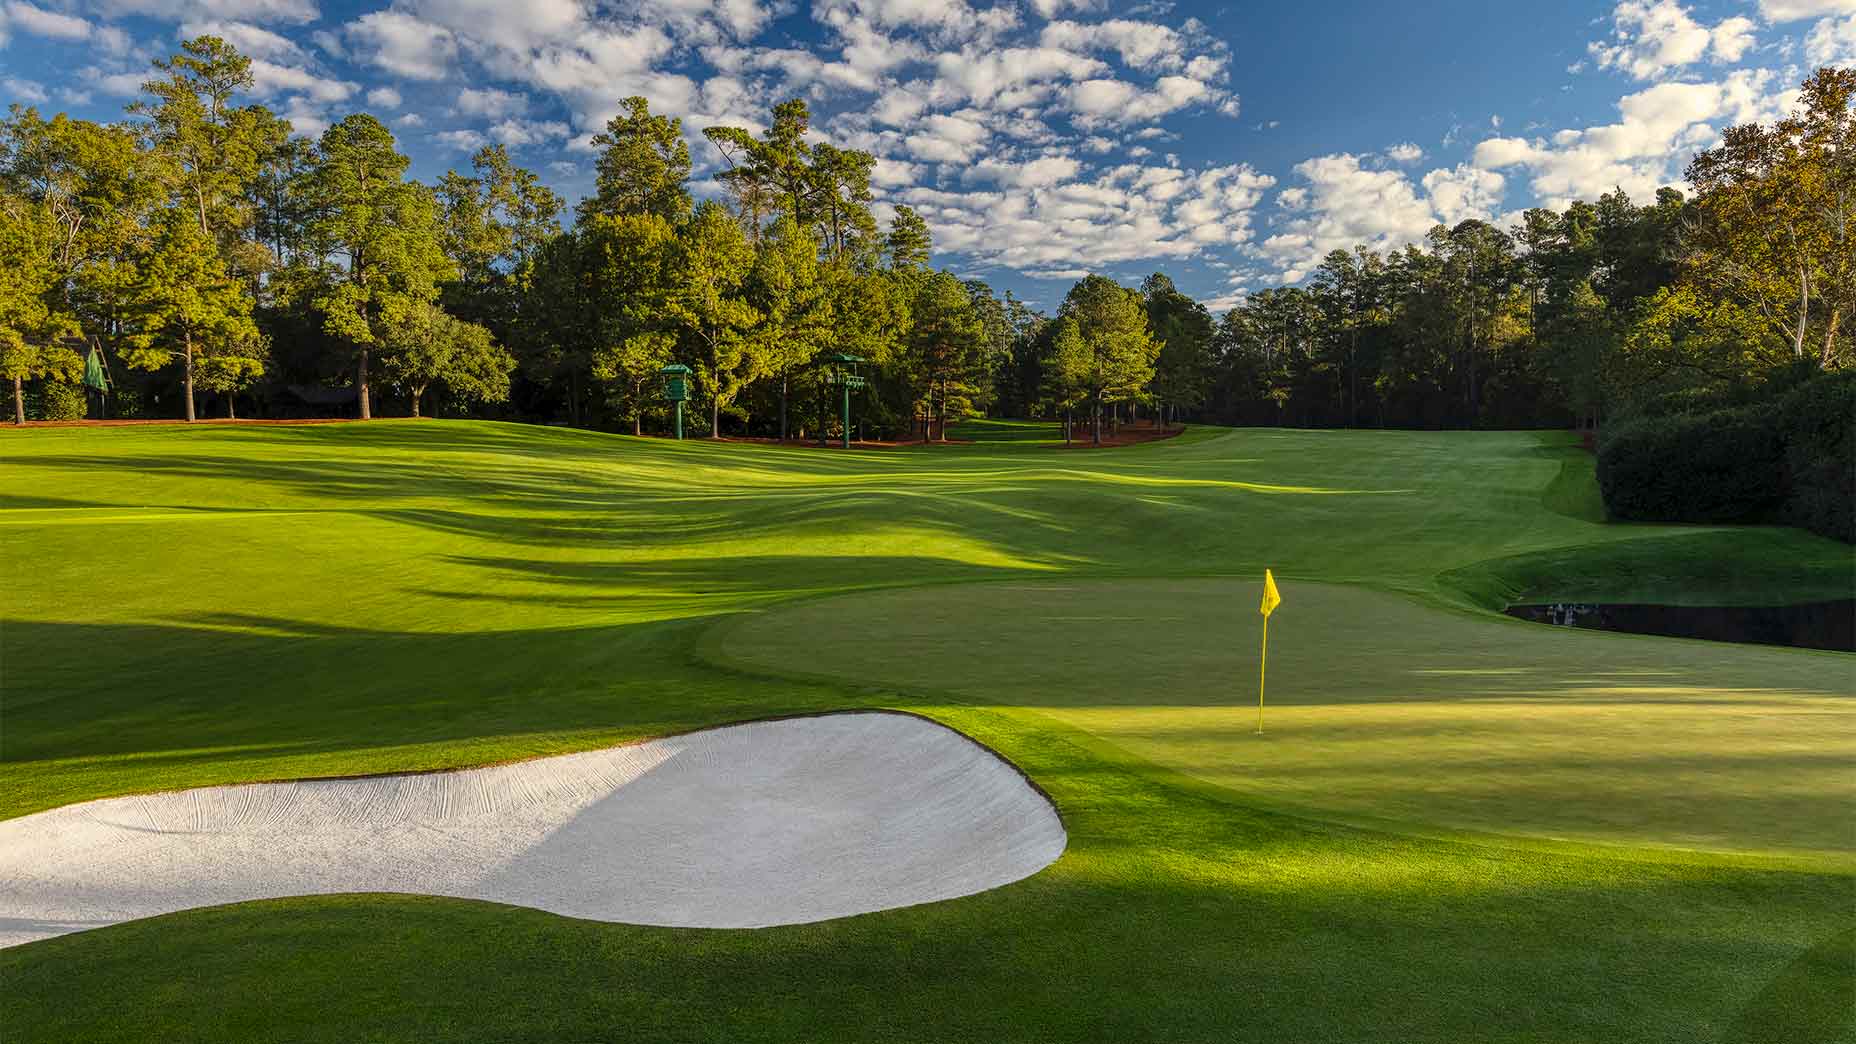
x=767 y=823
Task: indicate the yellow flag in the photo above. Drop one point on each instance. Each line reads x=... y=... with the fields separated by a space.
x=1271 y=599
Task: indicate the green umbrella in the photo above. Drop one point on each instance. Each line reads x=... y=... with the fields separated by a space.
x=95 y=374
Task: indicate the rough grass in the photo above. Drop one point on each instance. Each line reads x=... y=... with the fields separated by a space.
x=196 y=606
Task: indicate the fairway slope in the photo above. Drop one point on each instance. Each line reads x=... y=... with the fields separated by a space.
x=777 y=822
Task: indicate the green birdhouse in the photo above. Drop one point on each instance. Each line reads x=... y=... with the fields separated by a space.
x=677 y=389
x=676 y=383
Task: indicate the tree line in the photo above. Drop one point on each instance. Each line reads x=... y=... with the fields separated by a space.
x=207 y=255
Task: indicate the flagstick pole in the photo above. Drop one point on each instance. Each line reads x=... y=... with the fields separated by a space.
x=1262 y=666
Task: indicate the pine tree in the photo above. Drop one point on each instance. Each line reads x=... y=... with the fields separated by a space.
x=383 y=232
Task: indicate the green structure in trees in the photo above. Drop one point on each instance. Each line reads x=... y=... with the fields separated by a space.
x=677 y=389
x=841 y=370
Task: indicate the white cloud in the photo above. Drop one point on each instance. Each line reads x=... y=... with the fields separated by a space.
x=1832 y=42
x=1140 y=45
x=37 y=21
x=1660 y=127
x=1405 y=152
x=23 y=90
x=294 y=11
x=1074 y=217
x=1011 y=77
x=947 y=138
x=1792 y=10
x=515 y=25
x=490 y=102
x=270 y=78
x=1342 y=203
x=384 y=98
x=403 y=45
x=461 y=140
x=1038 y=173
x=111 y=40
x=1110 y=101
x=250 y=40
x=1654 y=37
x=528 y=132
x=120 y=84
x=1052 y=8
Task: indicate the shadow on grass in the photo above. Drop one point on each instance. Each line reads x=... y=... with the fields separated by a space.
x=1174 y=915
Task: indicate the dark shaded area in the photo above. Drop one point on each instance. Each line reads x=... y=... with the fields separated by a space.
x=1813 y=625
x=1787 y=455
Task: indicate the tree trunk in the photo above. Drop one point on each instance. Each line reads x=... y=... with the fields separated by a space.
x=1804 y=310
x=417 y=394
x=231 y=406
x=1096 y=422
x=1068 y=414
x=187 y=343
x=1830 y=339
x=19 y=401
x=943 y=413
x=715 y=418
x=782 y=407
x=360 y=387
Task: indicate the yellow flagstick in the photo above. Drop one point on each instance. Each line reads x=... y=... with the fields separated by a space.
x=1271 y=599
x=1262 y=666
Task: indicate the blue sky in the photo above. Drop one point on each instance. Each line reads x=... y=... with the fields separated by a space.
x=1230 y=145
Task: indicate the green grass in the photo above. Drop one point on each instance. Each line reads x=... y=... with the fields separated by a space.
x=1459 y=827
x=986 y=429
x=1380 y=710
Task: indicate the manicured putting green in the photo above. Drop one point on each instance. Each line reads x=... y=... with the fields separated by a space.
x=1379 y=707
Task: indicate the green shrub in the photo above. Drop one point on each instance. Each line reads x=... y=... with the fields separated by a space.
x=1790 y=458
x=1722 y=466
x=1820 y=456
x=60 y=401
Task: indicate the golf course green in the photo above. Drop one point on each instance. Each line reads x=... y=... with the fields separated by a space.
x=1455 y=826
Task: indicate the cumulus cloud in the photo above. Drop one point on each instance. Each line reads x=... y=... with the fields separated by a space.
x=251 y=40
x=37 y=21
x=490 y=102
x=1060 y=215
x=1341 y=202
x=1792 y=10
x=288 y=11
x=1140 y=45
x=1832 y=42
x=1405 y=152
x=1653 y=37
x=402 y=45
x=528 y=132
x=1658 y=129
x=270 y=78
x=23 y=90
x=384 y=98
x=461 y=140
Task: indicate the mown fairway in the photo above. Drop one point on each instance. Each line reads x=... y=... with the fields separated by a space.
x=192 y=606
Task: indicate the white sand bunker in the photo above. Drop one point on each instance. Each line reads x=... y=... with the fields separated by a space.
x=778 y=822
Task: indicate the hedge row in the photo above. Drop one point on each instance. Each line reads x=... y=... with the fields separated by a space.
x=1791 y=459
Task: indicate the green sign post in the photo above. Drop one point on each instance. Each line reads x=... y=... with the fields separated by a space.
x=677 y=389
x=844 y=373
